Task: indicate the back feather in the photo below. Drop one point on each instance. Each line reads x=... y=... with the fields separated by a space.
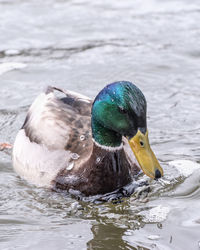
x=59 y=123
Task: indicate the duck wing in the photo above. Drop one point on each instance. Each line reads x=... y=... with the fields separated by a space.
x=60 y=122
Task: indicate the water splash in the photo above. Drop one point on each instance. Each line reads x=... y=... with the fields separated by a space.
x=185 y=167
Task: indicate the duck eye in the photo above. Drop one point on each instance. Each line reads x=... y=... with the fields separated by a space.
x=122 y=110
x=141 y=143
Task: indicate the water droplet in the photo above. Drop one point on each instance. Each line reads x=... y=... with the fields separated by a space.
x=71 y=165
x=82 y=137
x=98 y=159
x=75 y=156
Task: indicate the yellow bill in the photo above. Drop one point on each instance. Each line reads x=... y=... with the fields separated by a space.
x=145 y=156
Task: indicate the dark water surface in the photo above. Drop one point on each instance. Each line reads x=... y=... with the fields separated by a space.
x=83 y=45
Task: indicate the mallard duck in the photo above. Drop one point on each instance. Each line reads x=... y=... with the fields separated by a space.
x=72 y=142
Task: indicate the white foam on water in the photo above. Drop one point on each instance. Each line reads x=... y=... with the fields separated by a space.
x=8 y=66
x=185 y=167
x=12 y=52
x=156 y=214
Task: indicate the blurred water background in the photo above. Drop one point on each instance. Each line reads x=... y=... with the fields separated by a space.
x=83 y=45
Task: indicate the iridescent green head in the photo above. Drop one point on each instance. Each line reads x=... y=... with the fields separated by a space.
x=120 y=110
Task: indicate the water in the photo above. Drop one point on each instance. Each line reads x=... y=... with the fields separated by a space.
x=82 y=45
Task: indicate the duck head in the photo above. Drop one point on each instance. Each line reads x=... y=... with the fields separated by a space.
x=120 y=110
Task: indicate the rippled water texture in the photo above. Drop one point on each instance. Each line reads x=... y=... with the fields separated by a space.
x=83 y=45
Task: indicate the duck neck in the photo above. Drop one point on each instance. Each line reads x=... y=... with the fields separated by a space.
x=105 y=137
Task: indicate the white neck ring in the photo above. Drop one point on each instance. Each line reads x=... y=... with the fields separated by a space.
x=108 y=148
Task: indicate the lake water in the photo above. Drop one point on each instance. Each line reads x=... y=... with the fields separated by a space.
x=82 y=46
